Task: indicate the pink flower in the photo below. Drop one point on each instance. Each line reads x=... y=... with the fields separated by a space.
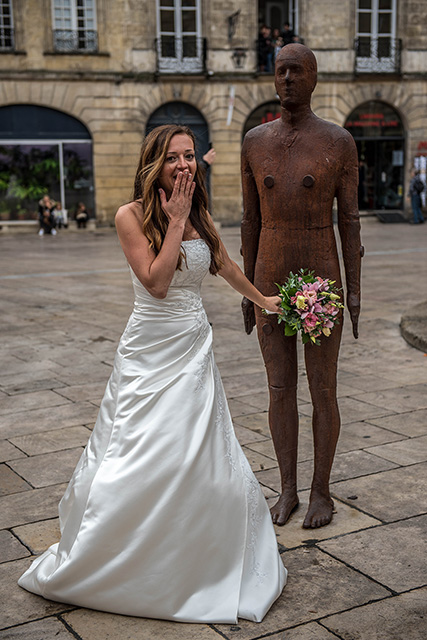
x=311 y=296
x=310 y=320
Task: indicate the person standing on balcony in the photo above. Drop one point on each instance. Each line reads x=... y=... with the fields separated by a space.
x=265 y=50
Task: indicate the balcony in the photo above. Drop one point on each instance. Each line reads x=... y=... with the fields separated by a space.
x=183 y=55
x=81 y=40
x=7 y=38
x=377 y=55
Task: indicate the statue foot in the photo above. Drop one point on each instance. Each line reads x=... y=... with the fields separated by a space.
x=286 y=504
x=319 y=512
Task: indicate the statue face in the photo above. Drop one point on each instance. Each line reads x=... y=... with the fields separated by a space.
x=295 y=76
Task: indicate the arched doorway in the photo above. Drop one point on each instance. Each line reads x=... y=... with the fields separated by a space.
x=43 y=150
x=380 y=138
x=264 y=113
x=184 y=114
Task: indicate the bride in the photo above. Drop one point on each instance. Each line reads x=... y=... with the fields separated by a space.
x=163 y=517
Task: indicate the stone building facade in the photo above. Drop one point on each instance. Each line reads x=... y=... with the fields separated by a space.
x=98 y=73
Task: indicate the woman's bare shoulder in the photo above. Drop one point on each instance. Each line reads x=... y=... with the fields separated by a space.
x=129 y=213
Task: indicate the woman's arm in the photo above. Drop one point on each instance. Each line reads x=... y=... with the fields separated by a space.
x=156 y=272
x=232 y=273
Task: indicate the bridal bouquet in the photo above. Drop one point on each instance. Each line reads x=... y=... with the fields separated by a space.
x=309 y=304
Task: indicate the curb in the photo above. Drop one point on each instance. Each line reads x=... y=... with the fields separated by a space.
x=413 y=327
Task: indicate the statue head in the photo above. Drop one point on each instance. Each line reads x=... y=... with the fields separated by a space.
x=295 y=76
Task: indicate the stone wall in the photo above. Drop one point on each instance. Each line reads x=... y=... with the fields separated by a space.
x=115 y=91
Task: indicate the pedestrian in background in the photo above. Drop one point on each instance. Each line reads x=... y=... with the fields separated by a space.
x=46 y=217
x=416 y=187
x=81 y=216
x=61 y=216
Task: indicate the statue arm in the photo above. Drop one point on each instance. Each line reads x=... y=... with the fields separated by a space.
x=349 y=226
x=251 y=227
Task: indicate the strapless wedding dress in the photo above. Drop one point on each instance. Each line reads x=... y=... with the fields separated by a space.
x=163 y=517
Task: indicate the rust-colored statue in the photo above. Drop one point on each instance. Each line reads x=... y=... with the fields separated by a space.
x=292 y=169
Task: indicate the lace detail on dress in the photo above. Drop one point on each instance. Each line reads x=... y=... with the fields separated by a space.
x=191 y=301
x=255 y=516
x=195 y=266
x=222 y=421
x=201 y=372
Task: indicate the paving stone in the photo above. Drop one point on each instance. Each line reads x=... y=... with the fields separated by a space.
x=389 y=495
x=95 y=625
x=35 y=385
x=38 y=536
x=244 y=385
x=46 y=629
x=352 y=410
x=9 y=452
x=88 y=391
x=310 y=631
x=22 y=606
x=411 y=423
x=359 y=384
x=27 y=401
x=257 y=422
x=11 y=548
x=367 y=551
x=359 y=435
x=307 y=595
x=247 y=436
x=403 y=616
x=404 y=452
x=30 y=506
x=39 y=420
x=257 y=461
x=11 y=482
x=346 y=519
x=246 y=365
x=48 y=468
x=239 y=407
x=55 y=440
x=407 y=398
x=258 y=400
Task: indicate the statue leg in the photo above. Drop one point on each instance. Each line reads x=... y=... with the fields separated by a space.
x=280 y=358
x=321 y=365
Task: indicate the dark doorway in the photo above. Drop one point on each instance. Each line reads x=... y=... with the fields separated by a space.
x=185 y=114
x=379 y=135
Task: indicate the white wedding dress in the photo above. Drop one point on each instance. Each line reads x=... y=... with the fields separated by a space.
x=163 y=517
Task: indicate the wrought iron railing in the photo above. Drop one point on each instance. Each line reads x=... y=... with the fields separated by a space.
x=377 y=55
x=186 y=54
x=66 y=40
x=7 y=38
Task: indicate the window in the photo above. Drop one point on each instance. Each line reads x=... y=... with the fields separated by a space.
x=377 y=49
x=74 y=25
x=6 y=26
x=179 y=41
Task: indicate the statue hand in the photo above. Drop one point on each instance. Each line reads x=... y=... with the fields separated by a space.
x=248 y=315
x=353 y=305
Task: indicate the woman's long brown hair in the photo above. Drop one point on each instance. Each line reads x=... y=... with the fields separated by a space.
x=154 y=220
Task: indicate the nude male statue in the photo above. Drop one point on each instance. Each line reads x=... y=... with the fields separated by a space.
x=292 y=169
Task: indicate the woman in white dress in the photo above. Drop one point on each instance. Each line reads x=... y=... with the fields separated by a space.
x=163 y=517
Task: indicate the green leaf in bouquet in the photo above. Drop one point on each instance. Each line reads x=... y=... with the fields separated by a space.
x=289 y=331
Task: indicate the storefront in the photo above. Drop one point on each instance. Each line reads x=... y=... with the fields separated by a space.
x=380 y=138
x=43 y=151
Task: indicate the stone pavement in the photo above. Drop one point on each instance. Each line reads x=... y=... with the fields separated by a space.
x=64 y=303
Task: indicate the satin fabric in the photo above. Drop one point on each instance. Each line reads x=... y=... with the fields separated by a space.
x=163 y=517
